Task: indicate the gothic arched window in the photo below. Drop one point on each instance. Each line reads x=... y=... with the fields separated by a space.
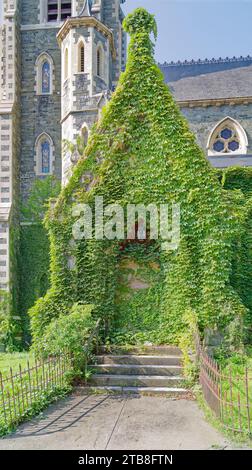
x=84 y=135
x=227 y=137
x=44 y=155
x=99 y=62
x=81 y=57
x=44 y=74
x=66 y=64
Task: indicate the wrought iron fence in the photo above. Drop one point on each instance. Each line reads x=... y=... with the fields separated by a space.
x=21 y=391
x=92 y=343
x=228 y=393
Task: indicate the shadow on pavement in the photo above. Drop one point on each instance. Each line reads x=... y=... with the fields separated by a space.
x=68 y=413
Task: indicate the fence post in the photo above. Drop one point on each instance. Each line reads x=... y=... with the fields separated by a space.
x=231 y=395
x=13 y=394
x=21 y=385
x=221 y=396
x=29 y=380
x=3 y=401
x=247 y=399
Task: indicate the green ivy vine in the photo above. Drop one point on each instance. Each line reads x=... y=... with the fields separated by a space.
x=142 y=151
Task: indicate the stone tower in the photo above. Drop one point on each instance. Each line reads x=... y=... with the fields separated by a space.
x=10 y=85
x=92 y=56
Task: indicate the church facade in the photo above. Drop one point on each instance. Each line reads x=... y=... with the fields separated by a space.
x=60 y=60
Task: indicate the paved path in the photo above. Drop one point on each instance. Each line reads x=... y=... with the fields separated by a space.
x=117 y=422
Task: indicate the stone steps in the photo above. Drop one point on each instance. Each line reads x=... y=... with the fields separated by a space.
x=139 y=360
x=144 y=350
x=137 y=369
x=136 y=380
x=167 y=391
x=146 y=370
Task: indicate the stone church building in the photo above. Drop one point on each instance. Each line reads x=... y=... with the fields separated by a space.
x=59 y=62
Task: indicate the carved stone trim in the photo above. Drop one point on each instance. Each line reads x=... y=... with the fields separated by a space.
x=215 y=102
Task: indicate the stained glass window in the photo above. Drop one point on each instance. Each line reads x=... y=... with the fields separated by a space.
x=46 y=77
x=218 y=146
x=226 y=141
x=45 y=157
x=226 y=133
x=233 y=145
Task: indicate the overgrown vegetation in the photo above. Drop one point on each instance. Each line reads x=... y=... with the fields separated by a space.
x=142 y=151
x=34 y=260
x=239 y=180
x=5 y=321
x=68 y=334
x=63 y=354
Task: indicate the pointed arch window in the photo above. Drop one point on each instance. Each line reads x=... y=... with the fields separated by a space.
x=81 y=58
x=44 y=155
x=99 y=62
x=84 y=135
x=66 y=64
x=227 y=137
x=44 y=74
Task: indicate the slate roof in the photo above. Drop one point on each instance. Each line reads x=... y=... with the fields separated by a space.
x=215 y=79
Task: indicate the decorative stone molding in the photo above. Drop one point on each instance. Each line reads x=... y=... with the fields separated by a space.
x=215 y=102
x=220 y=60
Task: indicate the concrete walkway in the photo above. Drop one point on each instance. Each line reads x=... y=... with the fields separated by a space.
x=117 y=422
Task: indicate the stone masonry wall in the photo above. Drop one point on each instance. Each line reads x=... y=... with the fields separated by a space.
x=202 y=120
x=30 y=12
x=112 y=18
x=39 y=113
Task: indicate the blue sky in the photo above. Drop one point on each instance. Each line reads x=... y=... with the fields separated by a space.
x=193 y=29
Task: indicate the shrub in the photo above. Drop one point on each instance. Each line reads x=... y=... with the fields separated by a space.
x=4 y=319
x=68 y=335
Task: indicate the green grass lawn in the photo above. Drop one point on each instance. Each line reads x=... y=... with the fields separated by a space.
x=28 y=393
x=13 y=360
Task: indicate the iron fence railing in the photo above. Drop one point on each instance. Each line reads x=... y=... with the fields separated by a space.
x=227 y=392
x=92 y=344
x=22 y=390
